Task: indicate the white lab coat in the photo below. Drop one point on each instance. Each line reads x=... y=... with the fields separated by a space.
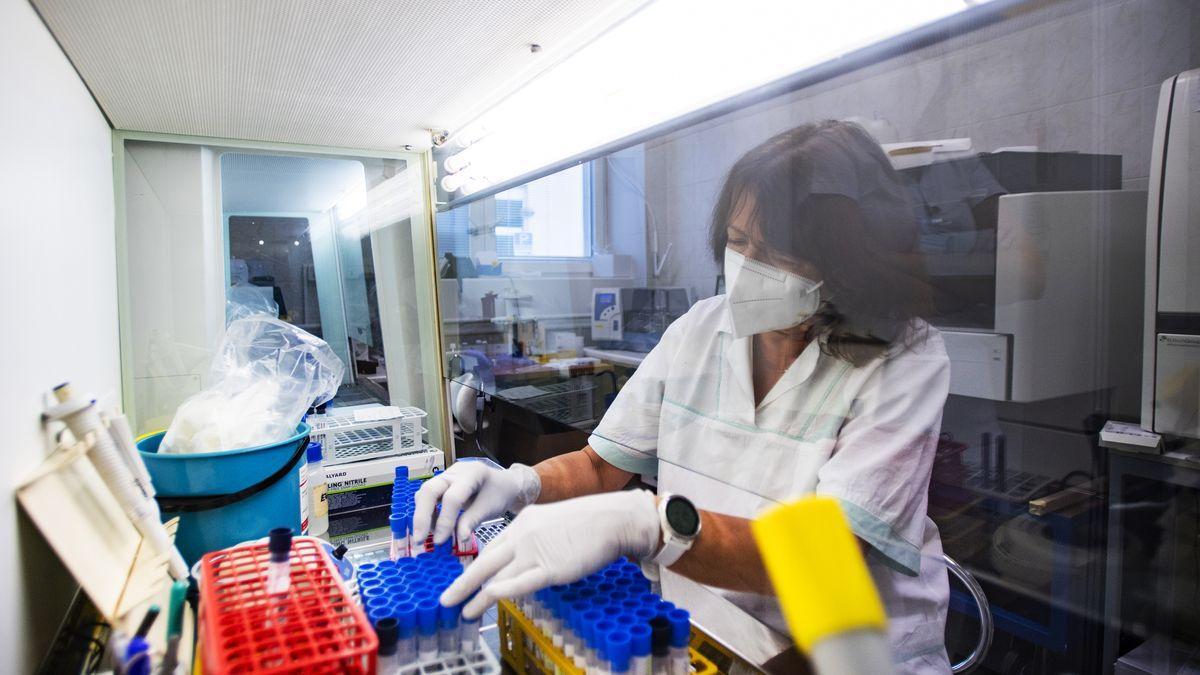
x=865 y=435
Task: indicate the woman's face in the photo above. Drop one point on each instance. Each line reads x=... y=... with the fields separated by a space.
x=743 y=236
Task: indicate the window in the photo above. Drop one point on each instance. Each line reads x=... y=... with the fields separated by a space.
x=551 y=217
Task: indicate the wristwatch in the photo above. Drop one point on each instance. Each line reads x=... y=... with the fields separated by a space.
x=680 y=526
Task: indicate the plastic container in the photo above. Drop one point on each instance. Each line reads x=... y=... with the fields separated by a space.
x=223 y=498
x=239 y=633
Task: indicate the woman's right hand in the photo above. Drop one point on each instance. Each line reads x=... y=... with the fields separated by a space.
x=478 y=490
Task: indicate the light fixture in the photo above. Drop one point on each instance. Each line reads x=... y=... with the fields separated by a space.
x=669 y=59
x=260 y=242
x=296 y=242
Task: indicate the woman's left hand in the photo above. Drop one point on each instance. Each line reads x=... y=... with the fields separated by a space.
x=557 y=544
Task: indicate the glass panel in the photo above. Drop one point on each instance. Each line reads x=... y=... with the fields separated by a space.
x=319 y=240
x=919 y=288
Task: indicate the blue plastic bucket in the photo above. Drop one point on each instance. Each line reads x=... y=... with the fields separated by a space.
x=223 y=498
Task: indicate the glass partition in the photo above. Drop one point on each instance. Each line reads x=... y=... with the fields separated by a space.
x=323 y=242
x=918 y=287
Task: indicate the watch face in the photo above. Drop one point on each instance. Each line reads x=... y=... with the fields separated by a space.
x=683 y=517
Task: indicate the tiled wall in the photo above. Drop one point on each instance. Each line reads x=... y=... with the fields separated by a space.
x=1078 y=75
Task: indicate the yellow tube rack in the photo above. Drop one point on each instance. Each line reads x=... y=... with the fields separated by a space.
x=529 y=651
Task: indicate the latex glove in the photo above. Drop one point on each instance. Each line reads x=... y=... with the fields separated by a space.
x=557 y=544
x=482 y=490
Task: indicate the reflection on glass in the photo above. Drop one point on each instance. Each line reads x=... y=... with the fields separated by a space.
x=999 y=205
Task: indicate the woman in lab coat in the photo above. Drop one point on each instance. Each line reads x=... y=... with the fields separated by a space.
x=814 y=372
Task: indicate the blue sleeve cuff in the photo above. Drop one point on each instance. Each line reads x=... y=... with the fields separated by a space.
x=894 y=550
x=625 y=459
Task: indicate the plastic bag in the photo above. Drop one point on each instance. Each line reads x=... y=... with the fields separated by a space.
x=245 y=301
x=265 y=375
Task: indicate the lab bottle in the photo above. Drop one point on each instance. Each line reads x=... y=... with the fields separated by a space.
x=318 y=512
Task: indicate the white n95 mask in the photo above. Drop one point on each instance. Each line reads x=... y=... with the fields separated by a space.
x=763 y=298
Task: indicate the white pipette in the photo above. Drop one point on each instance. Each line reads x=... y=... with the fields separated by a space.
x=133 y=492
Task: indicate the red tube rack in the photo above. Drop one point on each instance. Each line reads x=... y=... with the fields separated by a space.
x=316 y=628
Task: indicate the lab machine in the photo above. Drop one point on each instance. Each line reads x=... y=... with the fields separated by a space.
x=1033 y=259
x=635 y=318
x=1171 y=356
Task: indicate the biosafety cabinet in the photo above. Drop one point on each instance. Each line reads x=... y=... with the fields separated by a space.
x=1171 y=357
x=1035 y=261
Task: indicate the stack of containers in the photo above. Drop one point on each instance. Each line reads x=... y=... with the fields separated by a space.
x=610 y=622
x=363 y=445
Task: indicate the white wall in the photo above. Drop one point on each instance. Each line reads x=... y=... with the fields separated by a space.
x=58 y=270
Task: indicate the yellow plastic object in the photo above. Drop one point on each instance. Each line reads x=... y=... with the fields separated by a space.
x=529 y=651
x=818 y=571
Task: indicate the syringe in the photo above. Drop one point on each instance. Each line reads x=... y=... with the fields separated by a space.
x=131 y=487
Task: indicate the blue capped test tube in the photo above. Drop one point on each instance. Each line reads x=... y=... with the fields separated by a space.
x=448 y=642
x=639 y=649
x=427 y=629
x=401 y=527
x=406 y=647
x=617 y=651
x=681 y=631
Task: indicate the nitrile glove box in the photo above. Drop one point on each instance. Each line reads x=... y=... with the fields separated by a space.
x=368 y=484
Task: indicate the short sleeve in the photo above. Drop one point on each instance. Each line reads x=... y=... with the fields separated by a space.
x=884 y=454
x=627 y=436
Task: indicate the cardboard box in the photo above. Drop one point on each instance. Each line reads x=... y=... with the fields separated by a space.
x=368 y=484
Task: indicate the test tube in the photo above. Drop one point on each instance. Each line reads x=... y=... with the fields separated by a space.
x=427 y=629
x=406 y=649
x=448 y=635
x=400 y=537
x=588 y=622
x=681 y=631
x=639 y=649
x=599 y=637
x=388 y=632
x=469 y=640
x=660 y=645
x=279 y=567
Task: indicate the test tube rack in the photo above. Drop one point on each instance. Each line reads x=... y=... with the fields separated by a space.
x=596 y=625
x=315 y=628
x=380 y=432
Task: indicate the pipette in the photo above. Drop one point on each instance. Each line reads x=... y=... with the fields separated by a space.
x=131 y=487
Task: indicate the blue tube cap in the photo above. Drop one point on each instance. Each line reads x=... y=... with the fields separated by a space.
x=402 y=474
x=399 y=528
x=314 y=452
x=639 y=640
x=681 y=627
x=427 y=616
x=448 y=616
x=406 y=616
x=617 y=650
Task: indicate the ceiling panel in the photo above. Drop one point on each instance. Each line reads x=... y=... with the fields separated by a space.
x=372 y=74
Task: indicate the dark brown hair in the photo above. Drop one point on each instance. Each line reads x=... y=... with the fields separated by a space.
x=826 y=194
